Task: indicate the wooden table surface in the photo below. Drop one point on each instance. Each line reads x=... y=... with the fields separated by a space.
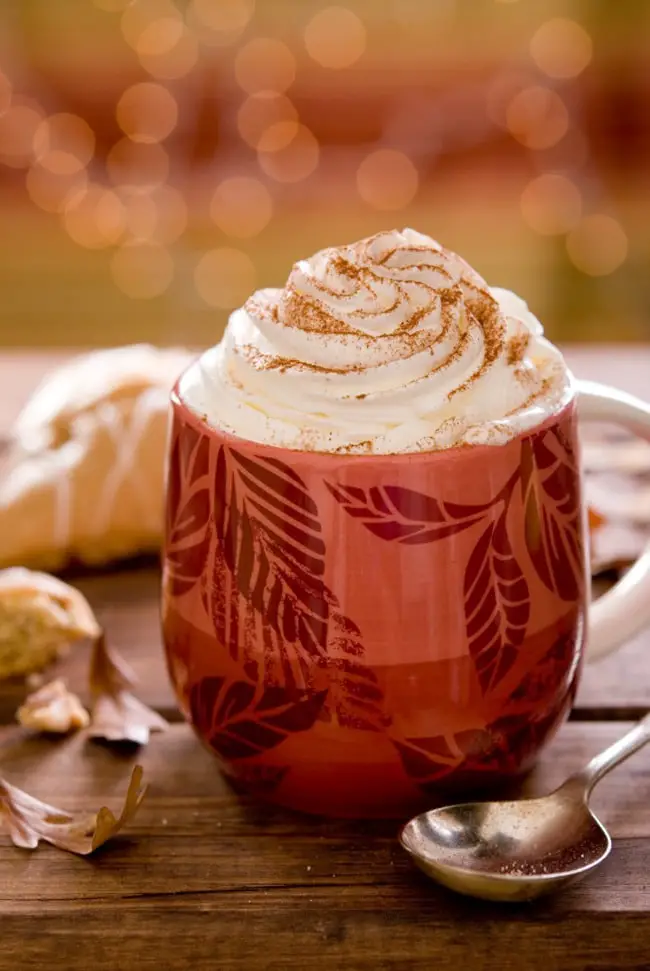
x=204 y=879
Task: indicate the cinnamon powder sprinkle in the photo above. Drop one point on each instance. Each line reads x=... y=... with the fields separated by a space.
x=516 y=348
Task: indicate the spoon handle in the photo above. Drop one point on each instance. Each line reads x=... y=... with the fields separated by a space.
x=603 y=763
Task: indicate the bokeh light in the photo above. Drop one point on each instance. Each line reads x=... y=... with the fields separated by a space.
x=160 y=37
x=561 y=48
x=598 y=245
x=551 y=204
x=220 y=23
x=225 y=278
x=141 y=15
x=260 y=112
x=142 y=270
x=288 y=152
x=264 y=64
x=50 y=190
x=537 y=117
x=147 y=112
x=94 y=217
x=159 y=215
x=156 y=31
x=137 y=163
x=172 y=214
x=500 y=93
x=335 y=37
x=5 y=92
x=18 y=126
x=387 y=179
x=176 y=61
x=278 y=136
x=64 y=144
x=241 y=207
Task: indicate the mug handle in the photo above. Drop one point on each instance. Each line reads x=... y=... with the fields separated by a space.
x=623 y=611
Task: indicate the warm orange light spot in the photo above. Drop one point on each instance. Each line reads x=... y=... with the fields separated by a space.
x=561 y=47
x=142 y=270
x=172 y=214
x=260 y=112
x=500 y=93
x=537 y=117
x=551 y=204
x=140 y=16
x=290 y=159
x=94 y=217
x=18 y=125
x=140 y=213
x=265 y=64
x=51 y=191
x=278 y=136
x=598 y=245
x=137 y=163
x=160 y=37
x=225 y=278
x=335 y=37
x=64 y=144
x=158 y=215
x=147 y=112
x=220 y=22
x=387 y=179
x=175 y=62
x=241 y=207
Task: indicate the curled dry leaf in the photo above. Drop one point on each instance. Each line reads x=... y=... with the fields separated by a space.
x=27 y=820
x=117 y=715
x=40 y=617
x=53 y=709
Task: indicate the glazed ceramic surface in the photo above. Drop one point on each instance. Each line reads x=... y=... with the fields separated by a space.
x=358 y=635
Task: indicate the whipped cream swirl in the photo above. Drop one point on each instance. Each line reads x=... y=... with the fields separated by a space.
x=391 y=344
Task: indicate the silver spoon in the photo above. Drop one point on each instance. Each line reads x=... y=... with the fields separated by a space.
x=521 y=849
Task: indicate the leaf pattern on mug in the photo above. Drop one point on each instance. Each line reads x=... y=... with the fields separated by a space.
x=402 y=515
x=428 y=761
x=502 y=748
x=497 y=604
x=556 y=667
x=268 y=588
x=240 y=720
x=188 y=510
x=553 y=526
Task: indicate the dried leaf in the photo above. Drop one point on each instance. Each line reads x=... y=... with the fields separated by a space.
x=27 y=820
x=122 y=718
x=117 y=715
x=53 y=709
x=40 y=617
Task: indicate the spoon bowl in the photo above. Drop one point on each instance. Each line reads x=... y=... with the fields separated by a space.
x=516 y=850
x=520 y=849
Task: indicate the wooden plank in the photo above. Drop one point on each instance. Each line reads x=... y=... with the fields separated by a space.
x=290 y=930
x=203 y=876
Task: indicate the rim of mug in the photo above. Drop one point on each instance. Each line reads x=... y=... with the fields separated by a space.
x=201 y=424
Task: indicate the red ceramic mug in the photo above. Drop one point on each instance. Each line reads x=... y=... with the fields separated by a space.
x=361 y=635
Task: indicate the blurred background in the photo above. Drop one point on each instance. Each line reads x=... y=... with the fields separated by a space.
x=160 y=159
